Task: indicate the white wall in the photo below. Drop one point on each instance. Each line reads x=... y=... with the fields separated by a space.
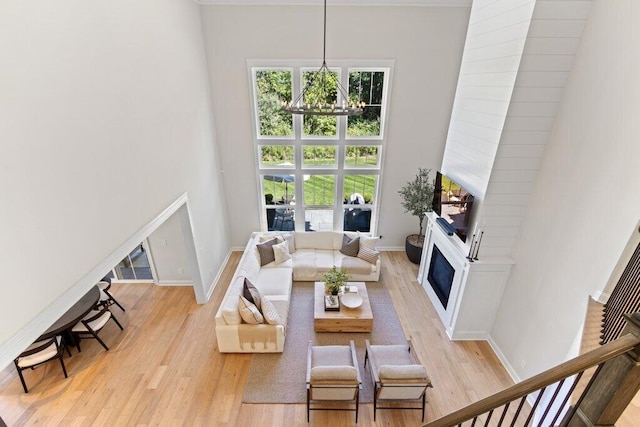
x=426 y=44
x=584 y=207
x=106 y=120
x=168 y=253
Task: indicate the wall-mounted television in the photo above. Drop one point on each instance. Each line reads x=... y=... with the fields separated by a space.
x=453 y=203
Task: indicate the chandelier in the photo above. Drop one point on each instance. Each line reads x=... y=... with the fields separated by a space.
x=324 y=77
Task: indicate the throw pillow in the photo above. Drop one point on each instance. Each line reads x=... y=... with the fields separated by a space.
x=251 y=293
x=402 y=372
x=249 y=312
x=368 y=241
x=270 y=236
x=281 y=252
x=350 y=246
x=269 y=312
x=292 y=243
x=368 y=255
x=266 y=251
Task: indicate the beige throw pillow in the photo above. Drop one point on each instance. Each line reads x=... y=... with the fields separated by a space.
x=368 y=255
x=367 y=241
x=269 y=312
x=249 y=312
x=281 y=252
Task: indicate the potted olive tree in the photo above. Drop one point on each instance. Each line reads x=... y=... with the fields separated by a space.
x=417 y=198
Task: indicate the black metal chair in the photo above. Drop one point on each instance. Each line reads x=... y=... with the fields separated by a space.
x=38 y=353
x=92 y=324
x=106 y=299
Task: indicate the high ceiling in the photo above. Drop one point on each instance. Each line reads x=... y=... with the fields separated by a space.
x=445 y=3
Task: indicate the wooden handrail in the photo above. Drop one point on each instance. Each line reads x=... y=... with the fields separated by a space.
x=537 y=382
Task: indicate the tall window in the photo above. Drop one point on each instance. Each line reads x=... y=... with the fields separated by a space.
x=319 y=172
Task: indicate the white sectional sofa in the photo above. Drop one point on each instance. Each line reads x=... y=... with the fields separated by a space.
x=312 y=255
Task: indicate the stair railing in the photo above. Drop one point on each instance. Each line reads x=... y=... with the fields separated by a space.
x=613 y=385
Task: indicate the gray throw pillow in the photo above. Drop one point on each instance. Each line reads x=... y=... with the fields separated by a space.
x=266 y=251
x=350 y=247
x=252 y=294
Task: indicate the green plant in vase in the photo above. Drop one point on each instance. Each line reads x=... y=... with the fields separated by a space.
x=335 y=279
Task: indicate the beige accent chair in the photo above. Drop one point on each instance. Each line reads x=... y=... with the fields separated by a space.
x=92 y=324
x=332 y=377
x=397 y=375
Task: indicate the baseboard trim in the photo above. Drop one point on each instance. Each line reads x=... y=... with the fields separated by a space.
x=469 y=336
x=391 y=248
x=175 y=283
x=219 y=275
x=505 y=362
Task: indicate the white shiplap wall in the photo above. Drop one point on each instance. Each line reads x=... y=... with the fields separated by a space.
x=517 y=57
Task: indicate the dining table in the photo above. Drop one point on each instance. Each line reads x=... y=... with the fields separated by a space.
x=73 y=315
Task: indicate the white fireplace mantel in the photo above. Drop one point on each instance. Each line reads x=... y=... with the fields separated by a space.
x=477 y=286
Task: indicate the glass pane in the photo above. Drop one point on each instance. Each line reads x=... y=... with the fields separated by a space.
x=359 y=189
x=319 y=191
x=320 y=92
x=280 y=188
x=362 y=156
x=124 y=270
x=319 y=155
x=140 y=264
x=281 y=218
x=272 y=88
x=318 y=219
x=366 y=86
x=276 y=155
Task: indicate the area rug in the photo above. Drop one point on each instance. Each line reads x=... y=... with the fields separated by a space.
x=280 y=377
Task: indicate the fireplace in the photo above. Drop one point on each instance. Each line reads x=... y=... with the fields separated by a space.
x=440 y=276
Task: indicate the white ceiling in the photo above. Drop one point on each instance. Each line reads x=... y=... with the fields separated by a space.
x=445 y=3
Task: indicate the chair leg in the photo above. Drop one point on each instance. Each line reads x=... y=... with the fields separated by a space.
x=114 y=300
x=24 y=384
x=375 y=402
x=117 y=323
x=366 y=357
x=424 y=401
x=357 y=404
x=308 y=403
x=64 y=370
x=100 y=340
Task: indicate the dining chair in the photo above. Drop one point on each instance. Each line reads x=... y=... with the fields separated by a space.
x=397 y=376
x=332 y=377
x=106 y=298
x=92 y=324
x=38 y=353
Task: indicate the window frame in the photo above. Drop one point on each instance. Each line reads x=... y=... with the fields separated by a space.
x=340 y=169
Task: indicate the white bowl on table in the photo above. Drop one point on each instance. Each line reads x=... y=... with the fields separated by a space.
x=351 y=300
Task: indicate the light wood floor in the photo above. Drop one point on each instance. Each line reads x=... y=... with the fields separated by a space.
x=165 y=369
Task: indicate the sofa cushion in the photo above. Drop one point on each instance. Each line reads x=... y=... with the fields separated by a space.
x=250 y=265
x=369 y=255
x=262 y=238
x=315 y=240
x=251 y=293
x=305 y=264
x=230 y=311
x=350 y=246
x=266 y=251
x=249 y=312
x=402 y=372
x=274 y=281
x=325 y=260
x=281 y=252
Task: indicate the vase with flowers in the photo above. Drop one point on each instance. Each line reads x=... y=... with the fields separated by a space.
x=335 y=279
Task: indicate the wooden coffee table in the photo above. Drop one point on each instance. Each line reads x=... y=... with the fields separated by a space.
x=347 y=319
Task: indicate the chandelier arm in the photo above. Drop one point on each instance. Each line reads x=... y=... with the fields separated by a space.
x=324 y=109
